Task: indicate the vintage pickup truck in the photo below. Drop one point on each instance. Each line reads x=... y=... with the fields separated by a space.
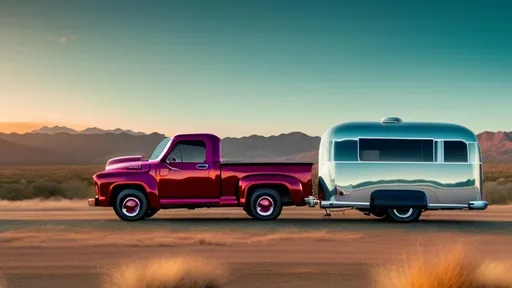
x=186 y=171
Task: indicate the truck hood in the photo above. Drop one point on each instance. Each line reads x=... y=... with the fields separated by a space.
x=127 y=163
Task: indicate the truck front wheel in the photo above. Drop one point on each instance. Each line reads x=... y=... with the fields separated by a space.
x=265 y=204
x=131 y=205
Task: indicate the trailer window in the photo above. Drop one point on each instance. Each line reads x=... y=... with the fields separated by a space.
x=396 y=150
x=191 y=151
x=455 y=151
x=345 y=150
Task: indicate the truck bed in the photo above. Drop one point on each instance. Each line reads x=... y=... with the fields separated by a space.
x=234 y=176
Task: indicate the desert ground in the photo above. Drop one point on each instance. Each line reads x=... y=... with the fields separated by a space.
x=67 y=244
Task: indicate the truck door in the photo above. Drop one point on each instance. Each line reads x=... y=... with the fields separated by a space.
x=186 y=173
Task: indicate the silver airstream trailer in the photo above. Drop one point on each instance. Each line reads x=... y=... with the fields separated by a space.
x=397 y=170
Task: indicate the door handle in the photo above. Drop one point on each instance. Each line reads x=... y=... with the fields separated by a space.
x=202 y=166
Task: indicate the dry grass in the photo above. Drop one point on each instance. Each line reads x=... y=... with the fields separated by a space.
x=452 y=269
x=495 y=274
x=47 y=237
x=168 y=273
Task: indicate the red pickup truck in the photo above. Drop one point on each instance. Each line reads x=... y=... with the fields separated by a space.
x=185 y=171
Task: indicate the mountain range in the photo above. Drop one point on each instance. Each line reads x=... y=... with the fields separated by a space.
x=65 y=146
x=91 y=130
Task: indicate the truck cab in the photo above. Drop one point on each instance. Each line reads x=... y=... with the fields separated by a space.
x=186 y=171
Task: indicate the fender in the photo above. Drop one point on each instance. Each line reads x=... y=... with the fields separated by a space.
x=108 y=182
x=389 y=198
x=291 y=183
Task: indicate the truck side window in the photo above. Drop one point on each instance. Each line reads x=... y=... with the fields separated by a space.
x=191 y=151
x=396 y=150
x=175 y=155
x=345 y=150
x=455 y=151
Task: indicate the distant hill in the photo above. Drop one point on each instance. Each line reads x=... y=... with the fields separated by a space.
x=496 y=146
x=91 y=130
x=62 y=145
x=84 y=149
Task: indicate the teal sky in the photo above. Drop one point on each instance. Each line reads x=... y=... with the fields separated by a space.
x=255 y=67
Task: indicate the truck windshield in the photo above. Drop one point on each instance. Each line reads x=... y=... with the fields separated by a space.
x=159 y=148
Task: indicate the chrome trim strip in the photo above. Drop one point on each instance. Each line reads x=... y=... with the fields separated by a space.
x=342 y=204
x=450 y=206
x=311 y=201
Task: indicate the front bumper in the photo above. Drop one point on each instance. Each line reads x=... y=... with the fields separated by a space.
x=93 y=202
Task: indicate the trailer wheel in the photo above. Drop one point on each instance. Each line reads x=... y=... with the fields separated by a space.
x=403 y=215
x=131 y=205
x=379 y=214
x=265 y=204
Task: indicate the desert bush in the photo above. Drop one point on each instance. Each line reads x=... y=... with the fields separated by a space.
x=46 y=189
x=71 y=189
x=451 y=269
x=15 y=192
x=77 y=189
x=498 y=192
x=167 y=273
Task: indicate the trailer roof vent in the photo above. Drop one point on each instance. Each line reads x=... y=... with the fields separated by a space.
x=390 y=120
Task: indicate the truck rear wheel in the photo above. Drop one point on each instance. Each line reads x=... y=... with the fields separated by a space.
x=131 y=205
x=265 y=204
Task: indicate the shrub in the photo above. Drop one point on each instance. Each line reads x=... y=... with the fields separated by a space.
x=77 y=189
x=497 y=192
x=46 y=189
x=15 y=192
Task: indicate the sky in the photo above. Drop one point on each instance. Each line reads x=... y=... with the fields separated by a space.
x=238 y=68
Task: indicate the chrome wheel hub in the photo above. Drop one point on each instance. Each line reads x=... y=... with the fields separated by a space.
x=265 y=206
x=131 y=206
x=403 y=212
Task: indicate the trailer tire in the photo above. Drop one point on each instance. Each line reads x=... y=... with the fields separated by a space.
x=131 y=205
x=405 y=216
x=379 y=214
x=265 y=204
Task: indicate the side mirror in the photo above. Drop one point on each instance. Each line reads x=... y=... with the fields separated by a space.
x=173 y=159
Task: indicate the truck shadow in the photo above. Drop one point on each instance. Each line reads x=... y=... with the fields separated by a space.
x=426 y=225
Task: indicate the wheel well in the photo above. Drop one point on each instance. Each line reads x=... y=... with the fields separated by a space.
x=321 y=188
x=385 y=199
x=118 y=188
x=279 y=188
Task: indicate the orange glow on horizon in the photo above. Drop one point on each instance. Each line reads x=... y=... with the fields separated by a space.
x=24 y=127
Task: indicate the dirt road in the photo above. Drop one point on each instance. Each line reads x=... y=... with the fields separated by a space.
x=69 y=245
